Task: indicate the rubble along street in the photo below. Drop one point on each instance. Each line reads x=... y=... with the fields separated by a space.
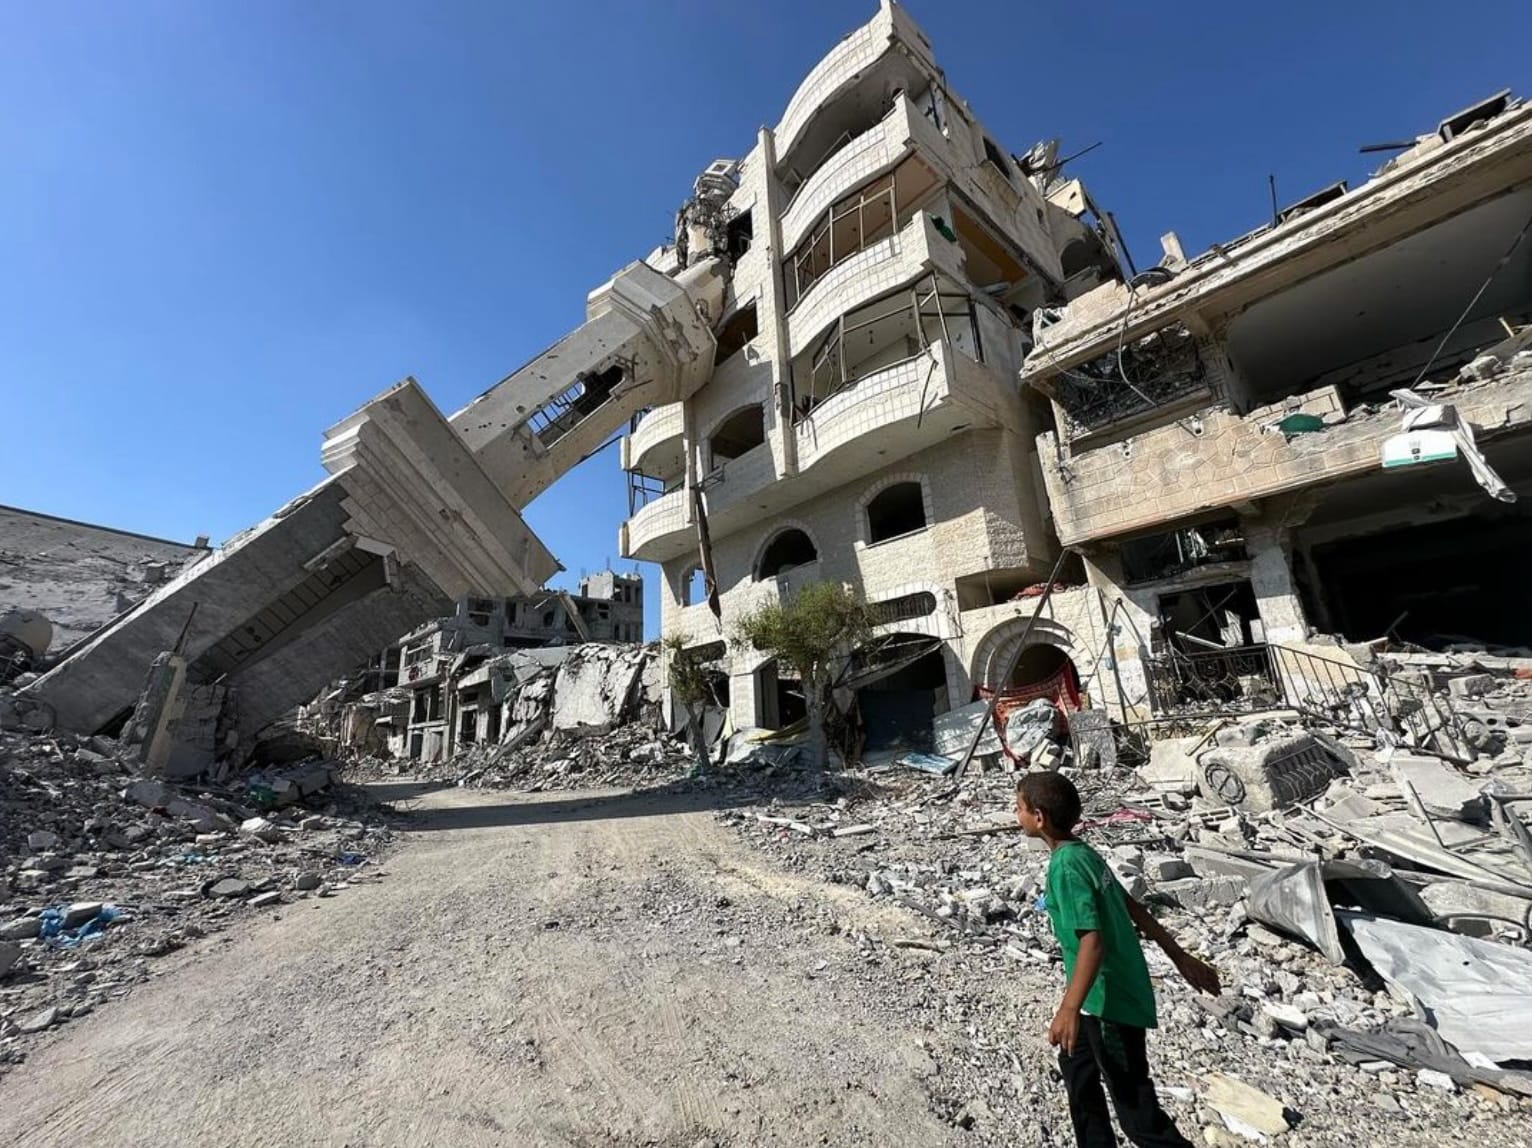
x=103 y=872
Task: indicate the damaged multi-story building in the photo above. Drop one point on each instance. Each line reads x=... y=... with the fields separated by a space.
x=862 y=422
x=884 y=350
x=1275 y=440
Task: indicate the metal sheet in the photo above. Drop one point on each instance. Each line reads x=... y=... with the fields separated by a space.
x=1478 y=994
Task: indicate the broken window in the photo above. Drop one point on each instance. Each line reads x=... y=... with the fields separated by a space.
x=1166 y=555
x=885 y=332
x=738 y=235
x=1211 y=650
x=737 y=330
x=905 y=608
x=866 y=216
x=1149 y=372
x=896 y=510
x=789 y=549
x=741 y=432
x=565 y=411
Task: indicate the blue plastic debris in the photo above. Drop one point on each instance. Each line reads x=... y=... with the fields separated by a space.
x=54 y=934
x=351 y=858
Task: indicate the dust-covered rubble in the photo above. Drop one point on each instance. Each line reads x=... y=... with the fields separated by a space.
x=102 y=871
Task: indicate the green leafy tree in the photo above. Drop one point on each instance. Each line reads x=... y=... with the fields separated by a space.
x=688 y=685
x=812 y=632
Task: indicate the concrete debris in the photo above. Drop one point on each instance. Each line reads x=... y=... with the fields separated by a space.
x=104 y=871
x=1245 y=1110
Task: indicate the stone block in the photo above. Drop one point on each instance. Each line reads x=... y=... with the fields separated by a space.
x=1171 y=765
x=1271 y=775
x=1202 y=892
x=1471 y=685
x=1208 y=863
x=1163 y=867
x=1441 y=789
x=21 y=929
x=10 y=953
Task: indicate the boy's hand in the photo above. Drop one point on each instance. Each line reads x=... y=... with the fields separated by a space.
x=1065 y=1030
x=1199 y=974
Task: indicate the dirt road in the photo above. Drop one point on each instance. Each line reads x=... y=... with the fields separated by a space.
x=585 y=971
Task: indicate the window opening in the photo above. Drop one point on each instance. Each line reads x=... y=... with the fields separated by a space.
x=565 y=411
x=693 y=587
x=737 y=330
x=887 y=331
x=741 y=432
x=896 y=510
x=1166 y=555
x=787 y=551
x=738 y=235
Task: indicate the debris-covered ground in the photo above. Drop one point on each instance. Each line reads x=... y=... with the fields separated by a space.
x=102 y=870
x=1219 y=830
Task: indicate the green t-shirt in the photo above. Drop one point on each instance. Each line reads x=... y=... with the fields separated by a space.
x=1083 y=896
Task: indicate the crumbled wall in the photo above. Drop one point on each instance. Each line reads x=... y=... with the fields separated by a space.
x=80 y=576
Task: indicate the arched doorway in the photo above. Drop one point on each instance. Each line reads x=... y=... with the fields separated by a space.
x=1043 y=667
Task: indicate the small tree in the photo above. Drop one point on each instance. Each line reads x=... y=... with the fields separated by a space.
x=688 y=684
x=820 y=624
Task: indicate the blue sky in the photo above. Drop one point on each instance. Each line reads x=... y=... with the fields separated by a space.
x=224 y=226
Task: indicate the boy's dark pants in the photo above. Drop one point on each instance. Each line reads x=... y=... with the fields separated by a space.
x=1114 y=1053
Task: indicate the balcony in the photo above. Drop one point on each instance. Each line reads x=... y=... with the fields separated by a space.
x=849 y=88
x=659 y=530
x=879 y=149
x=901 y=410
x=657 y=446
x=876 y=270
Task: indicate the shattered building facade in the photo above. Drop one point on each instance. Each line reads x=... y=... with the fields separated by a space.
x=862 y=421
x=1318 y=431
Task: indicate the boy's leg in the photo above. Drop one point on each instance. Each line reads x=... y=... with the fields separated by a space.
x=1082 y=1081
x=1119 y=1050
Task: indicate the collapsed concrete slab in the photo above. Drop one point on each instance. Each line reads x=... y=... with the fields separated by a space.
x=419 y=510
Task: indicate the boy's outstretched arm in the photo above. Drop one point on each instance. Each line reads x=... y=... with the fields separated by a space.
x=1199 y=974
x=1065 y=1029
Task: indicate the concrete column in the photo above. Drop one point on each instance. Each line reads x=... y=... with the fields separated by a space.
x=1127 y=644
x=1271 y=577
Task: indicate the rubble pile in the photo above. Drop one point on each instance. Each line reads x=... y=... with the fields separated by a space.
x=1368 y=906
x=634 y=756
x=102 y=869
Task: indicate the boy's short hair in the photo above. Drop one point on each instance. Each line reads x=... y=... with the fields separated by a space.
x=1053 y=795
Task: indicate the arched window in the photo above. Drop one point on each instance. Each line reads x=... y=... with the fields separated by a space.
x=742 y=431
x=787 y=550
x=895 y=510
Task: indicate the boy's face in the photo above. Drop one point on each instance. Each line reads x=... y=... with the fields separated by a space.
x=1030 y=820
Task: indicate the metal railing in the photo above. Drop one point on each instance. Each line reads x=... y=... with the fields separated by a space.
x=1390 y=706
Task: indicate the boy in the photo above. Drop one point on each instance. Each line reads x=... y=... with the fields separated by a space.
x=1099 y=1027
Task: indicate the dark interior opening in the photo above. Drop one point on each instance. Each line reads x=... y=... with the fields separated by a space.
x=1221 y=616
x=740 y=432
x=898 y=711
x=1434 y=584
x=1165 y=555
x=737 y=330
x=899 y=509
x=738 y=234
x=1038 y=663
x=790 y=549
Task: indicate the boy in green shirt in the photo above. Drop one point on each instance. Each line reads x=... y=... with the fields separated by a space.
x=1100 y=1026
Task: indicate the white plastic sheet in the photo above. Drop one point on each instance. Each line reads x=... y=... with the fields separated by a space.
x=1478 y=993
